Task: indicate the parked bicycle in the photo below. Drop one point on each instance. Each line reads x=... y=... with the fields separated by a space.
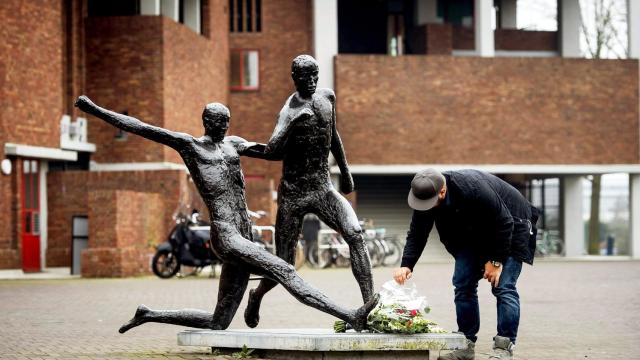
x=332 y=249
x=548 y=242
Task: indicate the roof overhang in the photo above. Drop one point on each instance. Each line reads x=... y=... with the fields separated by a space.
x=527 y=169
x=39 y=152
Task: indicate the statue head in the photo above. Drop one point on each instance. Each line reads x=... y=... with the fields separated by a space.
x=304 y=72
x=215 y=119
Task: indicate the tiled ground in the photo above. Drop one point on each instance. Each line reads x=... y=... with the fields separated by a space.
x=570 y=310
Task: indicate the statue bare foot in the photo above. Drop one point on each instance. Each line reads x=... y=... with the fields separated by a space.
x=138 y=319
x=252 y=312
x=359 y=321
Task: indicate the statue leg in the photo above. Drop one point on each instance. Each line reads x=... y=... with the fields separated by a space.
x=233 y=283
x=288 y=227
x=262 y=262
x=336 y=212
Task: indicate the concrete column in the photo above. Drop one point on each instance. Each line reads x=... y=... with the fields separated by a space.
x=483 y=16
x=44 y=213
x=170 y=9
x=325 y=38
x=427 y=12
x=509 y=14
x=572 y=216
x=569 y=27
x=149 y=7
x=192 y=15
x=633 y=28
x=634 y=215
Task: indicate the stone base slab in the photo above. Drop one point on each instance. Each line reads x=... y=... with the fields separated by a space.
x=323 y=343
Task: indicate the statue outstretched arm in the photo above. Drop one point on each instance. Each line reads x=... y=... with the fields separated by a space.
x=173 y=139
x=250 y=149
x=337 y=149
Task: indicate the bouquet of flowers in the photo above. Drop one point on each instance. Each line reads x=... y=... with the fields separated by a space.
x=400 y=310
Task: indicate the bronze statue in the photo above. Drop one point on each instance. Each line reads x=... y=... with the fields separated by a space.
x=214 y=163
x=304 y=136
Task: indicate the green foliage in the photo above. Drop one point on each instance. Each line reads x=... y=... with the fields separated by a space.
x=244 y=353
x=396 y=318
x=340 y=326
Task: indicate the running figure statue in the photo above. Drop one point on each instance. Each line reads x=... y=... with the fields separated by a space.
x=304 y=136
x=214 y=163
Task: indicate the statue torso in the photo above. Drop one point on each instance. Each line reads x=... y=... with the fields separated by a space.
x=216 y=172
x=308 y=145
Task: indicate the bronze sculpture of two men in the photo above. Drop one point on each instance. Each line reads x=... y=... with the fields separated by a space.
x=304 y=135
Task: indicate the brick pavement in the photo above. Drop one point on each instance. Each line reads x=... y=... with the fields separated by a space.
x=570 y=310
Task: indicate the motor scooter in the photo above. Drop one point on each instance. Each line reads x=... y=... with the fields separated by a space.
x=188 y=245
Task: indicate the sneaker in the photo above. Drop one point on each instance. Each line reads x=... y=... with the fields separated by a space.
x=462 y=354
x=502 y=348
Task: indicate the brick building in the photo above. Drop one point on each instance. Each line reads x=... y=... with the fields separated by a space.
x=419 y=83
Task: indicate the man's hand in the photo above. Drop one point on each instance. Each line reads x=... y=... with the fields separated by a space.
x=346 y=183
x=400 y=275
x=492 y=273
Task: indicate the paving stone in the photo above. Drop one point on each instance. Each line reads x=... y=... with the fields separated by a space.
x=570 y=310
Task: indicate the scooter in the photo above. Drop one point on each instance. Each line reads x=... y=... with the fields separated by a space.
x=188 y=245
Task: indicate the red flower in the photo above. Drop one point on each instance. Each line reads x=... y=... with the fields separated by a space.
x=413 y=312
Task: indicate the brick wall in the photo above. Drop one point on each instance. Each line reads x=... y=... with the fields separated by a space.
x=31 y=66
x=459 y=110
x=194 y=74
x=260 y=197
x=69 y=192
x=122 y=230
x=521 y=40
x=508 y=39
x=157 y=70
x=433 y=39
x=73 y=54
x=31 y=99
x=10 y=205
x=124 y=73
x=286 y=33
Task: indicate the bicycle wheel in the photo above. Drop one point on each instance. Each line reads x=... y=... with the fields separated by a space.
x=319 y=259
x=299 y=259
x=375 y=257
x=394 y=253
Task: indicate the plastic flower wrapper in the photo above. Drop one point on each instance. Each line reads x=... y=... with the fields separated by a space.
x=400 y=310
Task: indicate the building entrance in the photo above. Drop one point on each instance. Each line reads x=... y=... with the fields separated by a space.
x=30 y=216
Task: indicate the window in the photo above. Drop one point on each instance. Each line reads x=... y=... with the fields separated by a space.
x=244 y=69
x=245 y=15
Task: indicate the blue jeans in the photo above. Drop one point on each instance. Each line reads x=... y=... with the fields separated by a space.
x=469 y=269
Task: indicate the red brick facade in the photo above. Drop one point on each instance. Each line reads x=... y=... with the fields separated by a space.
x=74 y=189
x=286 y=33
x=391 y=110
x=123 y=227
x=124 y=73
x=458 y=110
x=31 y=105
x=463 y=38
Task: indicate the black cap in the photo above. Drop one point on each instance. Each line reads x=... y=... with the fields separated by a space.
x=425 y=187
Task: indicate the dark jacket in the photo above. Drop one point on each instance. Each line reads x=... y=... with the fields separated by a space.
x=481 y=213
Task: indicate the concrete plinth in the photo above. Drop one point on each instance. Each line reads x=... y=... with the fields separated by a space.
x=323 y=343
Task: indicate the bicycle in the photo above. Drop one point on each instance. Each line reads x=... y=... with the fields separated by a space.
x=548 y=242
